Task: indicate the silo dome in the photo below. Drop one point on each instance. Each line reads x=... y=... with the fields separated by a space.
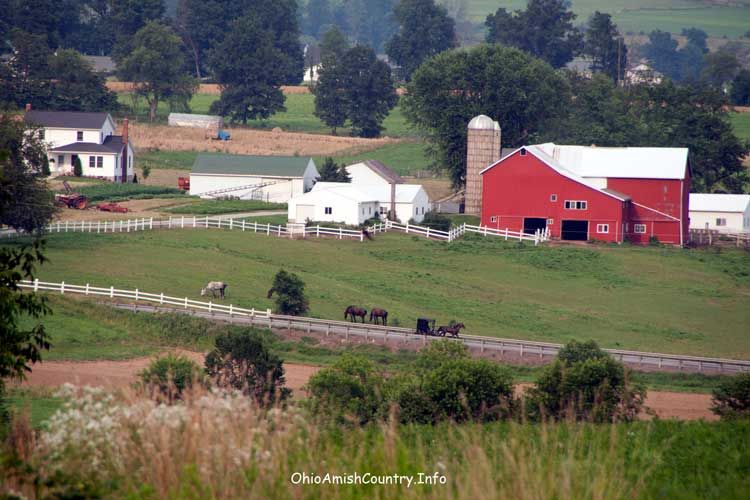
x=483 y=122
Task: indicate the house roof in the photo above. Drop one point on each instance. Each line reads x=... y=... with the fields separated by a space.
x=405 y=193
x=112 y=145
x=322 y=190
x=226 y=164
x=704 y=202
x=101 y=64
x=67 y=119
x=555 y=165
x=382 y=170
x=633 y=163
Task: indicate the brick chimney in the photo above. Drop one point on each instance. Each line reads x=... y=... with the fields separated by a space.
x=393 y=201
x=125 y=132
x=124 y=161
x=28 y=107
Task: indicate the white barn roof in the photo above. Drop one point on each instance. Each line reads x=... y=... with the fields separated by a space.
x=405 y=193
x=637 y=163
x=703 y=202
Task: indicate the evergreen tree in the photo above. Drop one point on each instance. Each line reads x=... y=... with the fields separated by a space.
x=290 y=294
x=332 y=172
x=605 y=46
x=741 y=88
x=76 y=87
x=696 y=37
x=424 y=30
x=720 y=68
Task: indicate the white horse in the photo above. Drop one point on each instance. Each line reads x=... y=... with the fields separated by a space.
x=213 y=287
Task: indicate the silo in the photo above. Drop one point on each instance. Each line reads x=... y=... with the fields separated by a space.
x=483 y=149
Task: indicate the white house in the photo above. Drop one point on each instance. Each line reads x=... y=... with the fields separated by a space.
x=88 y=137
x=728 y=213
x=269 y=178
x=339 y=202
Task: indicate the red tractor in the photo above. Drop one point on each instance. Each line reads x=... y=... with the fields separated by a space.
x=71 y=199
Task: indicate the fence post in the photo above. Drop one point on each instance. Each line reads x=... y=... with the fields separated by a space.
x=195 y=221
x=161 y=298
x=87 y=289
x=231 y=224
x=243 y=224
x=210 y=307
x=66 y=226
x=407 y=227
x=230 y=310
x=186 y=304
x=58 y=226
x=317 y=231
x=98 y=226
x=151 y=223
x=428 y=234
x=279 y=230
x=136 y=294
x=255 y=226
x=183 y=222
x=506 y=234
x=341 y=233
x=268 y=228
x=36 y=284
x=207 y=223
x=111 y=292
x=62 y=288
x=128 y=225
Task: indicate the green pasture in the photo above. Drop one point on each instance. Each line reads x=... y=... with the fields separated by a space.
x=652 y=299
x=741 y=124
x=298 y=117
x=216 y=207
x=645 y=15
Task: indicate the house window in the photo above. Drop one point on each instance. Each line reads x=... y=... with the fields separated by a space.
x=92 y=161
x=576 y=205
x=383 y=210
x=370 y=210
x=329 y=210
x=41 y=135
x=553 y=197
x=602 y=228
x=60 y=160
x=493 y=218
x=639 y=228
x=550 y=222
x=100 y=161
x=79 y=135
x=721 y=222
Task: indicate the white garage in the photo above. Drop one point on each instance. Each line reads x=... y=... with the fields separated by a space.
x=727 y=213
x=333 y=202
x=269 y=178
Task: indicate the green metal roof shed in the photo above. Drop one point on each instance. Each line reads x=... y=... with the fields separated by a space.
x=274 y=166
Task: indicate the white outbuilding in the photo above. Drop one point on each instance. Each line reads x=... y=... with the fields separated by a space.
x=269 y=178
x=339 y=202
x=727 y=213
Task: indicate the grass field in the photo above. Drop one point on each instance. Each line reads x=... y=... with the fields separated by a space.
x=299 y=116
x=741 y=124
x=655 y=299
x=216 y=207
x=646 y=15
x=121 y=192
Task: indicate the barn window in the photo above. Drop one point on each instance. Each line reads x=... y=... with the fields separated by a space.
x=550 y=222
x=553 y=197
x=639 y=228
x=575 y=205
x=581 y=205
x=329 y=210
x=493 y=218
x=100 y=162
x=523 y=151
x=92 y=161
x=602 y=228
x=721 y=222
x=79 y=135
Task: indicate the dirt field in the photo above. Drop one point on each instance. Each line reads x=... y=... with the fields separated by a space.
x=116 y=374
x=138 y=208
x=253 y=142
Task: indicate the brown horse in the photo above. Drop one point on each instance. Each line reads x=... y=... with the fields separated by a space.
x=450 y=330
x=354 y=311
x=379 y=313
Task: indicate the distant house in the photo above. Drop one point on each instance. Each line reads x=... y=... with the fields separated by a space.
x=88 y=137
x=642 y=74
x=269 y=178
x=727 y=213
x=101 y=64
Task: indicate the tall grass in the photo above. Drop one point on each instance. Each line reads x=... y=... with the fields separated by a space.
x=219 y=445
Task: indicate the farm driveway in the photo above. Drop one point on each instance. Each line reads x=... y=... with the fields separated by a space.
x=114 y=374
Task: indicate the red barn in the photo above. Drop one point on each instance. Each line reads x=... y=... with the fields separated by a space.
x=590 y=193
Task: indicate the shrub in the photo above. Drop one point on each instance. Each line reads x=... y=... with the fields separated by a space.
x=584 y=383
x=440 y=351
x=290 y=294
x=731 y=399
x=241 y=360
x=146 y=171
x=350 y=390
x=166 y=378
x=77 y=168
x=434 y=220
x=405 y=393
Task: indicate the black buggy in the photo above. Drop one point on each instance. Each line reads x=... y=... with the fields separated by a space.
x=426 y=326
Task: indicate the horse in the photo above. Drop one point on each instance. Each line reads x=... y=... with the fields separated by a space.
x=354 y=311
x=451 y=330
x=379 y=313
x=213 y=287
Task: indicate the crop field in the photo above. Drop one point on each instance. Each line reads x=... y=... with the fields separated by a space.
x=731 y=19
x=655 y=299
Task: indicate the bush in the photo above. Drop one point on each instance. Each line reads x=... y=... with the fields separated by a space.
x=168 y=377
x=731 y=399
x=584 y=383
x=350 y=390
x=146 y=171
x=242 y=361
x=434 y=220
x=77 y=168
x=441 y=351
x=290 y=294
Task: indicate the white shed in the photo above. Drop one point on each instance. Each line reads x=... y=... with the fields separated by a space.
x=270 y=178
x=338 y=202
x=372 y=172
x=728 y=213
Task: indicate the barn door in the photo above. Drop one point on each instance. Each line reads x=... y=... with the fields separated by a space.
x=532 y=224
x=575 y=230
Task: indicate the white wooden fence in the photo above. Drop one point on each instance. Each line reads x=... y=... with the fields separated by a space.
x=542 y=351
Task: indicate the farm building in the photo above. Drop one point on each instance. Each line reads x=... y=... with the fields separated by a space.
x=269 y=178
x=590 y=193
x=87 y=137
x=210 y=122
x=727 y=213
x=353 y=204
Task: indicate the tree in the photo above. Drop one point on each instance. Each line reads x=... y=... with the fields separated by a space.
x=77 y=167
x=318 y=15
x=448 y=90
x=731 y=398
x=333 y=45
x=156 y=66
x=720 y=68
x=250 y=70
x=696 y=37
x=168 y=377
x=330 y=92
x=545 y=29
x=605 y=46
x=26 y=77
x=26 y=203
x=126 y=18
x=242 y=361
x=290 y=294
x=661 y=50
x=76 y=87
x=332 y=172
x=585 y=383
x=424 y=30
x=741 y=88
x=370 y=94
x=368 y=22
